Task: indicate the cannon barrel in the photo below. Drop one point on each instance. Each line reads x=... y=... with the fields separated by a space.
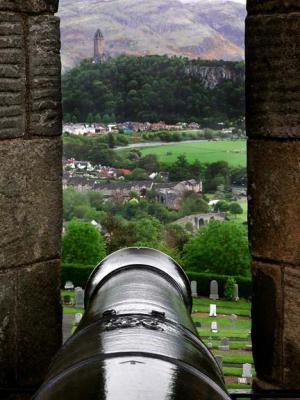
x=136 y=340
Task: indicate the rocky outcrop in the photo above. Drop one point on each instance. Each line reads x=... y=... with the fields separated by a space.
x=213 y=76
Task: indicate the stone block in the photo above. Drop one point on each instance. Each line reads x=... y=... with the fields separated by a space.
x=44 y=76
x=30 y=6
x=8 y=329
x=267 y=331
x=12 y=76
x=39 y=319
x=291 y=342
x=273 y=87
x=272 y=6
x=274 y=209
x=30 y=201
x=30 y=330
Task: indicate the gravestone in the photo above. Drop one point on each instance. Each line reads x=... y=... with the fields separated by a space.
x=212 y=310
x=194 y=288
x=67 y=299
x=247 y=371
x=214 y=327
x=214 y=290
x=242 y=381
x=249 y=344
x=69 y=285
x=209 y=343
x=79 y=297
x=78 y=317
x=224 y=344
x=236 y=292
x=220 y=361
x=233 y=318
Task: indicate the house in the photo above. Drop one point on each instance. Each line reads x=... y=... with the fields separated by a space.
x=171 y=193
x=193 y=125
x=189 y=186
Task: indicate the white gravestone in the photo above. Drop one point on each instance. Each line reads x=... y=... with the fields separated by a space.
x=247 y=371
x=78 y=317
x=214 y=290
x=233 y=318
x=212 y=310
x=242 y=381
x=194 y=288
x=214 y=327
x=69 y=285
x=236 y=292
x=79 y=297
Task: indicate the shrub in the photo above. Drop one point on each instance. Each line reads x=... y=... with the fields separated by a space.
x=229 y=288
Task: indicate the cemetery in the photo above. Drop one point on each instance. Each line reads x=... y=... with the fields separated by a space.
x=224 y=326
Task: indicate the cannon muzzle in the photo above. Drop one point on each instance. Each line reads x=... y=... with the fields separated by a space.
x=136 y=340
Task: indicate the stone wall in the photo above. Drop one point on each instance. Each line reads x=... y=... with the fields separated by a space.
x=30 y=191
x=273 y=126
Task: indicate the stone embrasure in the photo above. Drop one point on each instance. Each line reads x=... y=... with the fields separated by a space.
x=30 y=201
x=30 y=6
x=30 y=316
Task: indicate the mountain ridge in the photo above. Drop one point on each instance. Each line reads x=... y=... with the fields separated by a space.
x=198 y=29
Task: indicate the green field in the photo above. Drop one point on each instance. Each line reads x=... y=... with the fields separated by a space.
x=234 y=152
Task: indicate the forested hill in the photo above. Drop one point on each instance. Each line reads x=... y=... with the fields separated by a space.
x=154 y=88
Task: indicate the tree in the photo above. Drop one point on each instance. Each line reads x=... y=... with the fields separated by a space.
x=90 y=119
x=220 y=247
x=229 y=288
x=146 y=231
x=193 y=203
x=111 y=141
x=82 y=244
x=221 y=205
x=216 y=174
x=235 y=208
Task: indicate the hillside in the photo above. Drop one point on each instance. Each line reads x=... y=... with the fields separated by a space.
x=204 y=29
x=155 y=88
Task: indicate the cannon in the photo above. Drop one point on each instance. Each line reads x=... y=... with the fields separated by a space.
x=136 y=340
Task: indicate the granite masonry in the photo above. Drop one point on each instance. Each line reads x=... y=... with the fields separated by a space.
x=30 y=193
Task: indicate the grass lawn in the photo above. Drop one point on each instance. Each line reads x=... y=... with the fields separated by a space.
x=229 y=371
x=238 y=333
x=241 y=304
x=237 y=358
x=234 y=345
x=224 y=322
x=224 y=311
x=232 y=151
x=73 y=310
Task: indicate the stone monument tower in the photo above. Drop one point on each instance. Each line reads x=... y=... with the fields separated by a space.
x=99 y=46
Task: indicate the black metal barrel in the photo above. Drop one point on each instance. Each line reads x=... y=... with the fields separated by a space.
x=136 y=340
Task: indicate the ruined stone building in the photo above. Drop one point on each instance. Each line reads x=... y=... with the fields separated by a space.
x=99 y=46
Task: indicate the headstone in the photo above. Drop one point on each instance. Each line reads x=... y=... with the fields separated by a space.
x=69 y=285
x=209 y=345
x=212 y=310
x=194 y=288
x=236 y=292
x=242 y=381
x=79 y=297
x=67 y=299
x=247 y=371
x=78 y=317
x=249 y=344
x=233 y=318
x=214 y=327
x=214 y=290
x=220 y=361
x=224 y=344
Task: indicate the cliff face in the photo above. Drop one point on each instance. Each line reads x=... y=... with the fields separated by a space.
x=205 y=29
x=213 y=76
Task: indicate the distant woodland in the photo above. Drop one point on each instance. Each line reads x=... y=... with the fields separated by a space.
x=153 y=88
